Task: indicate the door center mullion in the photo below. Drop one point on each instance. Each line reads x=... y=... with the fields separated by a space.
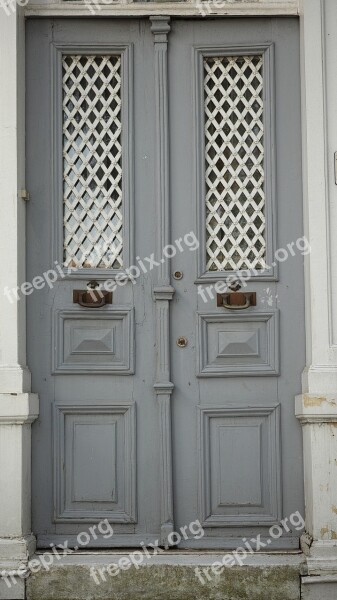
x=163 y=291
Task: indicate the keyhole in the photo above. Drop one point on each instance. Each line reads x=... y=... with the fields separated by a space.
x=178 y=274
x=235 y=286
x=181 y=342
x=93 y=284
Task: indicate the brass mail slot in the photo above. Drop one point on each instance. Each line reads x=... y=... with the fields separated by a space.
x=92 y=298
x=236 y=300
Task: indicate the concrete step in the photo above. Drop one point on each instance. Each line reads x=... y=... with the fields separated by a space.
x=168 y=576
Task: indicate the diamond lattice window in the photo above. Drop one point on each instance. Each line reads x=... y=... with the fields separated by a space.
x=234 y=170
x=92 y=161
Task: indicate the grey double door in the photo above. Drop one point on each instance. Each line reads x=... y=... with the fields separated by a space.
x=166 y=320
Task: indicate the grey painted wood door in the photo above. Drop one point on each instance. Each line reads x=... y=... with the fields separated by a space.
x=235 y=180
x=160 y=407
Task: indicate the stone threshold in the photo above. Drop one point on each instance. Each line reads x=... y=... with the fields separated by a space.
x=168 y=576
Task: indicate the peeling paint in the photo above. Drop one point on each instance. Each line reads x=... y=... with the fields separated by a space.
x=334 y=509
x=317 y=401
x=331 y=534
x=312 y=401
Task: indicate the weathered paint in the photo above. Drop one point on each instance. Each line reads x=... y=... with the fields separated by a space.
x=316 y=401
x=329 y=534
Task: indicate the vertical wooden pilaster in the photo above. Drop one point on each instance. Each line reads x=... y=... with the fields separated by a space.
x=163 y=292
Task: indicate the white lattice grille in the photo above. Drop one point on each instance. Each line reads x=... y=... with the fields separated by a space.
x=92 y=161
x=234 y=170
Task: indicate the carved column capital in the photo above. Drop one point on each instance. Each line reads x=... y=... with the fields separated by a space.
x=160 y=27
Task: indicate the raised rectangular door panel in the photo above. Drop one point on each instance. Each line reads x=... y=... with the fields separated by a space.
x=95 y=463
x=94 y=342
x=240 y=469
x=231 y=345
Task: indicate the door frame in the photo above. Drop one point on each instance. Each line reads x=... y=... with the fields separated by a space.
x=18 y=405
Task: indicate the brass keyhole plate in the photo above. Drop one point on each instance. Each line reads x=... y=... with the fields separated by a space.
x=93 y=284
x=182 y=342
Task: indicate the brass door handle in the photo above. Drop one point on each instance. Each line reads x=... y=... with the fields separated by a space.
x=236 y=300
x=95 y=302
x=92 y=298
x=236 y=306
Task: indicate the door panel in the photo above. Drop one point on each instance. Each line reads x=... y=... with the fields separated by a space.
x=239 y=492
x=90 y=174
x=236 y=345
x=235 y=177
